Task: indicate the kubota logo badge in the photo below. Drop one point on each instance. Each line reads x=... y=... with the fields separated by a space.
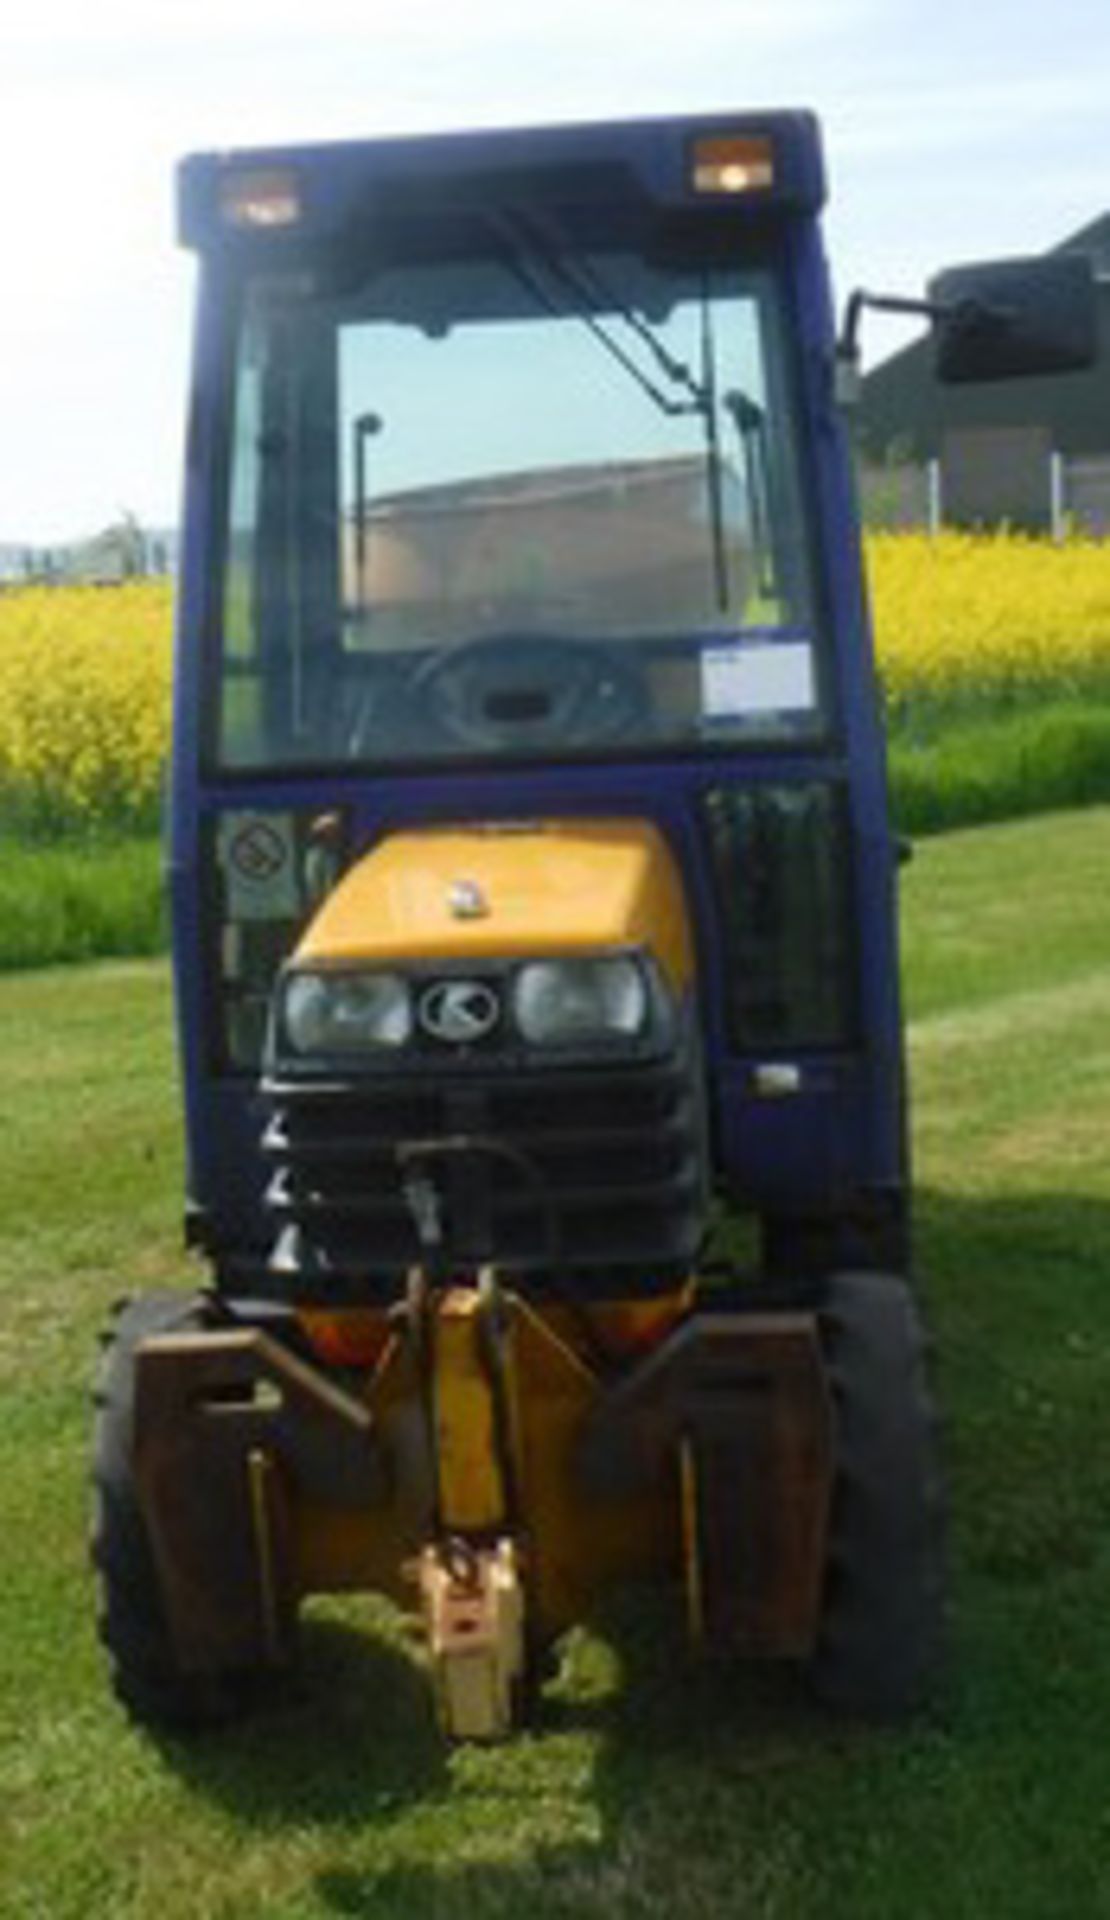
x=458 y=1010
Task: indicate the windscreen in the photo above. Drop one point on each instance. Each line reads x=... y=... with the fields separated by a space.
x=533 y=502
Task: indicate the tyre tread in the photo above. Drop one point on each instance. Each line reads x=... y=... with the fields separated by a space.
x=881 y=1640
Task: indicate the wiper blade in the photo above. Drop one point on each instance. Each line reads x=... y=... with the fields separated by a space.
x=750 y=422
x=713 y=450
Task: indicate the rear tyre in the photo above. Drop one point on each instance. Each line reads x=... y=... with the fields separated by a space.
x=880 y=1643
x=131 y=1616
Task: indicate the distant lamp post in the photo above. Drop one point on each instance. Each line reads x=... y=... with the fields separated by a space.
x=366 y=426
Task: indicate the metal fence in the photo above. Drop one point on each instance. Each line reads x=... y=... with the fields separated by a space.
x=904 y=497
x=1085 y=502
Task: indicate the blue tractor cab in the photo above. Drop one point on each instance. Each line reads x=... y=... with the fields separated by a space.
x=517 y=492
x=533 y=898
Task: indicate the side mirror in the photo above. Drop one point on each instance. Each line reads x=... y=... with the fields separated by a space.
x=1006 y=318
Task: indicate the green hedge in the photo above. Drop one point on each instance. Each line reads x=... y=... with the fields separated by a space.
x=79 y=900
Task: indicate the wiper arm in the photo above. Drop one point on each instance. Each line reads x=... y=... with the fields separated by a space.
x=527 y=240
x=535 y=286
x=586 y=291
x=713 y=449
x=583 y=279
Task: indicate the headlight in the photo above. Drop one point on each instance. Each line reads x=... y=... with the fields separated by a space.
x=329 y=1013
x=560 y=1002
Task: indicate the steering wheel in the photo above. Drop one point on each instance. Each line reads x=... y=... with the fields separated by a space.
x=511 y=690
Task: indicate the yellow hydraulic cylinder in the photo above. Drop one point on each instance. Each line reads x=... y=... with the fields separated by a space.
x=471 y=1591
x=470 y=1441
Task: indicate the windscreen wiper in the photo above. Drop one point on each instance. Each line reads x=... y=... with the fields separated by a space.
x=712 y=448
x=584 y=281
x=524 y=243
x=581 y=281
x=750 y=421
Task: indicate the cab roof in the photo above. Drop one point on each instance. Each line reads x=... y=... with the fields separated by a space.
x=673 y=165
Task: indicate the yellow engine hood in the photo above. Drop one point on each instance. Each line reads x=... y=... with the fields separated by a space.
x=558 y=887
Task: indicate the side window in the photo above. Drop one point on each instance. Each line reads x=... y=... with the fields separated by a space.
x=782 y=876
x=241 y=714
x=280 y=608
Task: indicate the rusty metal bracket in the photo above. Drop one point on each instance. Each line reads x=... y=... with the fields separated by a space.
x=741 y=1401
x=231 y=1428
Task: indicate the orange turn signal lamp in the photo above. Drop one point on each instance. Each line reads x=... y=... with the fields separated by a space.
x=261 y=197
x=733 y=163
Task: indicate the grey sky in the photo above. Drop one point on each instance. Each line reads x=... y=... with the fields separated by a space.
x=954 y=131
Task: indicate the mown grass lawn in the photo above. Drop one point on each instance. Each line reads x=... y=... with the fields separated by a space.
x=645 y=1791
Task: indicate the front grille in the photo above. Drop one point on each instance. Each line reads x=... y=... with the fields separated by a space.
x=591 y=1175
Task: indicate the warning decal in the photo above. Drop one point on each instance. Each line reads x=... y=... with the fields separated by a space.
x=256 y=852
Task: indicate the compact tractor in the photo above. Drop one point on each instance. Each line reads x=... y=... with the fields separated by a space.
x=533 y=896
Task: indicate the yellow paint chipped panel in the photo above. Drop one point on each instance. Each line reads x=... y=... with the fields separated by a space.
x=556 y=888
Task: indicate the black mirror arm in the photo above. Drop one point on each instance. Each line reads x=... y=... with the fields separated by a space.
x=969 y=315
x=847 y=347
x=972 y=314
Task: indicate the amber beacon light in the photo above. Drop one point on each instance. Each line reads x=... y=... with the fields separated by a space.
x=733 y=163
x=261 y=197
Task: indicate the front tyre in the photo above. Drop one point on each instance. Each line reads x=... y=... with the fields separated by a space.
x=880 y=1641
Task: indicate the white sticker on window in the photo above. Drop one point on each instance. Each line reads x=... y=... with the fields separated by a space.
x=775 y=677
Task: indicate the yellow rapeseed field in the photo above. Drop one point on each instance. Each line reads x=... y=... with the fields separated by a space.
x=84 y=702
x=987 y=615
x=85 y=671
